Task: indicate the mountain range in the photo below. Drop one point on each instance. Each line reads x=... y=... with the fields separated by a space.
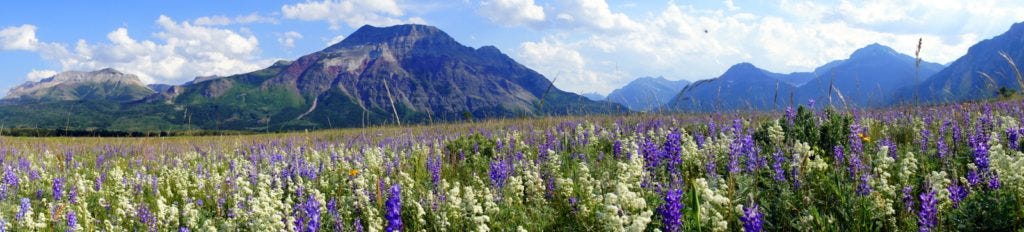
x=646 y=93
x=376 y=75
x=419 y=74
x=742 y=87
x=987 y=66
x=868 y=78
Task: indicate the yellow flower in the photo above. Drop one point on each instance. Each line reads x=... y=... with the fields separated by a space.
x=864 y=137
x=353 y=172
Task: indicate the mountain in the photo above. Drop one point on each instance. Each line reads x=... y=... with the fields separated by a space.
x=646 y=93
x=159 y=87
x=963 y=80
x=742 y=87
x=868 y=78
x=426 y=74
x=593 y=96
x=795 y=79
x=102 y=85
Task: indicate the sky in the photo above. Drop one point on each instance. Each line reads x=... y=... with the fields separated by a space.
x=583 y=45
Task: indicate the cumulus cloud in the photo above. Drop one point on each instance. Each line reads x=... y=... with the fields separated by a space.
x=221 y=20
x=19 y=38
x=594 y=15
x=288 y=39
x=564 y=64
x=181 y=52
x=36 y=75
x=353 y=13
x=512 y=12
x=686 y=42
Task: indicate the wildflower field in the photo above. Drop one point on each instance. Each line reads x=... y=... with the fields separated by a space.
x=943 y=168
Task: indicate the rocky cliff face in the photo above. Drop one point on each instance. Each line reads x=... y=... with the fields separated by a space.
x=417 y=70
x=106 y=84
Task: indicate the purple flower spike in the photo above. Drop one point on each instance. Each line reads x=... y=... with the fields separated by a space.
x=927 y=216
x=393 y=214
x=752 y=219
x=671 y=211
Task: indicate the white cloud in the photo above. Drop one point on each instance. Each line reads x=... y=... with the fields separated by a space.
x=288 y=39
x=729 y=4
x=565 y=65
x=594 y=15
x=512 y=12
x=19 y=38
x=353 y=13
x=216 y=20
x=220 y=20
x=685 y=42
x=36 y=75
x=182 y=52
x=334 y=40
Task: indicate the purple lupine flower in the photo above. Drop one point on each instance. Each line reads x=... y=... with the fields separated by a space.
x=1013 y=138
x=98 y=184
x=957 y=193
x=499 y=172
x=184 y=229
x=332 y=211
x=778 y=160
x=58 y=189
x=650 y=153
x=751 y=153
x=434 y=167
x=10 y=178
x=393 y=213
x=307 y=216
x=69 y=157
x=908 y=198
x=887 y=142
x=790 y=115
x=72 y=221
x=711 y=167
x=942 y=148
x=864 y=188
x=23 y=208
x=699 y=138
x=927 y=215
x=993 y=181
x=673 y=147
x=752 y=219
x=737 y=127
x=711 y=129
x=357 y=225
x=973 y=178
x=839 y=157
x=923 y=141
x=617 y=149
x=73 y=195
x=146 y=217
x=671 y=211
x=980 y=154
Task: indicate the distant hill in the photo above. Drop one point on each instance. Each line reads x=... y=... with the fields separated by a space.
x=646 y=93
x=963 y=80
x=795 y=79
x=107 y=84
x=742 y=87
x=868 y=78
x=593 y=96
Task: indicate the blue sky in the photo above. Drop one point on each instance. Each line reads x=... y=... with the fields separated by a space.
x=589 y=45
